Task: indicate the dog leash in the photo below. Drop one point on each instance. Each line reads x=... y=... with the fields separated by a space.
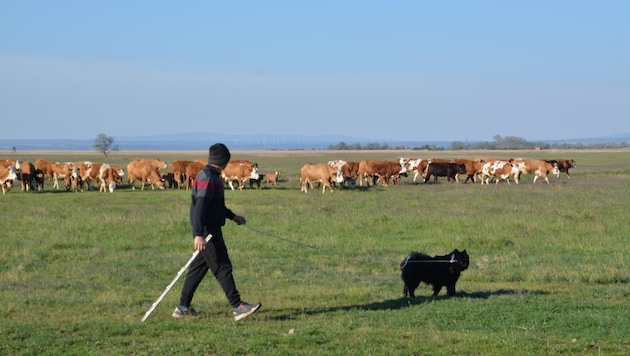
x=404 y=263
x=315 y=247
x=366 y=259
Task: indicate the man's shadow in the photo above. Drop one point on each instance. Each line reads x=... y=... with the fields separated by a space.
x=400 y=303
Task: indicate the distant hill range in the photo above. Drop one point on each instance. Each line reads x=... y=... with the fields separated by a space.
x=201 y=141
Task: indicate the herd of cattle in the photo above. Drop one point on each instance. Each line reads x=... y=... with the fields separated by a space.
x=79 y=176
x=481 y=170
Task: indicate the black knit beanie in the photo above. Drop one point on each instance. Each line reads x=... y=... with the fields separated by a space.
x=218 y=154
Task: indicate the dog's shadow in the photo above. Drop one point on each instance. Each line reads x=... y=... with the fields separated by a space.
x=400 y=303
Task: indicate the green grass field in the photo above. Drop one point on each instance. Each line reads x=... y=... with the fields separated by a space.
x=549 y=272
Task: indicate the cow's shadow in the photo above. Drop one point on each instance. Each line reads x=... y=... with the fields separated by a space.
x=401 y=303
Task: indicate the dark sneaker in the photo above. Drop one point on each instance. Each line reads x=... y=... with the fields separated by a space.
x=244 y=310
x=182 y=311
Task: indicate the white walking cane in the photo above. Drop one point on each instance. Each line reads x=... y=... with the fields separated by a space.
x=168 y=288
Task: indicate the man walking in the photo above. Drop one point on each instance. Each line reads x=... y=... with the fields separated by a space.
x=207 y=215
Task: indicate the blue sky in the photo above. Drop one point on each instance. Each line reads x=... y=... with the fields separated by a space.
x=383 y=70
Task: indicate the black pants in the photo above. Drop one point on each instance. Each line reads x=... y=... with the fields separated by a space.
x=214 y=258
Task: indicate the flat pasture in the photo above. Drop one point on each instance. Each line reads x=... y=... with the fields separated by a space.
x=549 y=271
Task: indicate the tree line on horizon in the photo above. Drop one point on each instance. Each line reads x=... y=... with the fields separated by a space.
x=499 y=143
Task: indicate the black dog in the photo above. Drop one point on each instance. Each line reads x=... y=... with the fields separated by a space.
x=438 y=271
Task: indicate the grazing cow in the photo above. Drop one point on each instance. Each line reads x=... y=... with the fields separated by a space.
x=119 y=171
x=498 y=170
x=563 y=165
x=61 y=170
x=7 y=176
x=26 y=173
x=272 y=178
x=85 y=169
x=192 y=169
x=109 y=179
x=178 y=168
x=97 y=170
x=147 y=171
x=74 y=180
x=442 y=169
x=319 y=172
x=539 y=168
x=240 y=171
x=416 y=165
x=382 y=170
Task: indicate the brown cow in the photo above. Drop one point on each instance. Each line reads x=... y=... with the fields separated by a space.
x=563 y=165
x=26 y=173
x=473 y=169
x=7 y=176
x=192 y=169
x=240 y=171
x=372 y=170
x=178 y=168
x=386 y=170
x=54 y=171
x=539 y=168
x=272 y=178
x=147 y=171
x=319 y=172
x=46 y=167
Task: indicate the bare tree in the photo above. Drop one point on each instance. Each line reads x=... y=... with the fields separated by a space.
x=103 y=144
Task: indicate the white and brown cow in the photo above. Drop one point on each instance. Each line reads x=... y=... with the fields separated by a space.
x=539 y=168
x=240 y=170
x=7 y=176
x=109 y=178
x=416 y=165
x=350 y=171
x=74 y=180
x=61 y=170
x=85 y=169
x=498 y=170
x=319 y=173
x=92 y=178
x=146 y=171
